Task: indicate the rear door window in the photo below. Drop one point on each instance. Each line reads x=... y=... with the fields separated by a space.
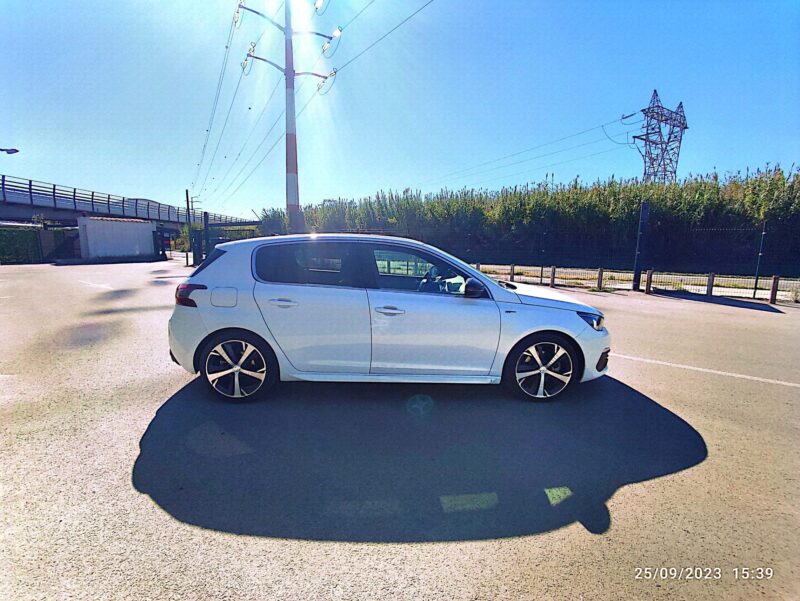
x=315 y=263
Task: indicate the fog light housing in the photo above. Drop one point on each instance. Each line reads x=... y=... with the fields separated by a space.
x=602 y=363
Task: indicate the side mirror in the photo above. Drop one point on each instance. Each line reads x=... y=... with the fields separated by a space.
x=474 y=289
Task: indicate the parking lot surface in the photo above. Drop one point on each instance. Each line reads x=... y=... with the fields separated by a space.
x=121 y=477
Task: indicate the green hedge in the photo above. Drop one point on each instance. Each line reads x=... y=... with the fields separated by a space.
x=588 y=224
x=20 y=245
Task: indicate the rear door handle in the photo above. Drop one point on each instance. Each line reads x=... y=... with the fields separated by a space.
x=283 y=303
x=389 y=310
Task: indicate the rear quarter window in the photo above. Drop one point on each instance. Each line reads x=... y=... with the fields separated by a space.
x=212 y=256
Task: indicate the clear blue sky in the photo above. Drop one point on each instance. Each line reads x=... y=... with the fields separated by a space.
x=116 y=96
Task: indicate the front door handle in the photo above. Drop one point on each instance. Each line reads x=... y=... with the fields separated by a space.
x=283 y=303
x=389 y=310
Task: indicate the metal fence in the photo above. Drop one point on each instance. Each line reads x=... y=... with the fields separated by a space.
x=679 y=259
x=788 y=289
x=16 y=190
x=747 y=287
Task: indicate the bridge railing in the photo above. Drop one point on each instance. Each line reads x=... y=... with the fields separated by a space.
x=17 y=190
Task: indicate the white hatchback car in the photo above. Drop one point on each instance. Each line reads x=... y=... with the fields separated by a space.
x=363 y=308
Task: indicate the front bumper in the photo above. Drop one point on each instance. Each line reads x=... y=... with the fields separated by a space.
x=596 y=347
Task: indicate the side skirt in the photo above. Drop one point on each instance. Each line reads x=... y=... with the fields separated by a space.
x=389 y=378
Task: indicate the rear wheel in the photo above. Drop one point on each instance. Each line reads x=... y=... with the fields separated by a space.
x=239 y=366
x=541 y=367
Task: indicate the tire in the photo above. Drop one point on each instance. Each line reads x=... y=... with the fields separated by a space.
x=239 y=382
x=550 y=376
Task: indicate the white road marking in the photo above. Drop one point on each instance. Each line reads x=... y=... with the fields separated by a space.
x=93 y=285
x=708 y=371
x=6 y=297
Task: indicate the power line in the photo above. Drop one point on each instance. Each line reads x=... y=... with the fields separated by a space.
x=547 y=154
x=202 y=188
x=222 y=132
x=353 y=59
x=586 y=156
x=519 y=152
x=386 y=35
x=269 y=151
x=216 y=96
x=340 y=30
x=249 y=136
x=256 y=166
x=264 y=139
x=626 y=143
x=358 y=14
x=260 y=144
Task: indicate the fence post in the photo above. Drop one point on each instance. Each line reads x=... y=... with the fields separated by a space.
x=54 y=197
x=3 y=186
x=710 y=284
x=478 y=266
x=758 y=261
x=773 y=291
x=644 y=216
x=648 y=282
x=205 y=234
x=75 y=199
x=30 y=190
x=553 y=276
x=108 y=203
x=92 y=202
x=512 y=273
x=600 y=278
x=123 y=206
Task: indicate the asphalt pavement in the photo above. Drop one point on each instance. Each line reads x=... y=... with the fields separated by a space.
x=121 y=477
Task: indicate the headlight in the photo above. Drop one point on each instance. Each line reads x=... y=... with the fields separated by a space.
x=594 y=320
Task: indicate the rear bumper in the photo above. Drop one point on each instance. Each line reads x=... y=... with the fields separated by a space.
x=186 y=332
x=596 y=347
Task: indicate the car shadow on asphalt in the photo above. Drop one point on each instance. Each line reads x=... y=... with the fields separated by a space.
x=726 y=301
x=405 y=463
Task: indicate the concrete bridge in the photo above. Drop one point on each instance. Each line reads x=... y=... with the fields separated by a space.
x=22 y=199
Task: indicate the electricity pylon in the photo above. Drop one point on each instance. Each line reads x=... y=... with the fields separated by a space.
x=663 y=132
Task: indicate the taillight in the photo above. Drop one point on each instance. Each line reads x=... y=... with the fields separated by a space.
x=183 y=291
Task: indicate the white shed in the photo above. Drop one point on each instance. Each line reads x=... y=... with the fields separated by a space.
x=115 y=237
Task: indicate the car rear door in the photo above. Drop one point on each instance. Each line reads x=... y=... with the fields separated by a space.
x=309 y=295
x=425 y=325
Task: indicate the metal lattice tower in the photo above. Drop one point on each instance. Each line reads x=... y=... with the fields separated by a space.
x=662 y=134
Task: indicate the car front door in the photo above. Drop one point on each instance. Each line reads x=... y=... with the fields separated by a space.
x=309 y=295
x=421 y=321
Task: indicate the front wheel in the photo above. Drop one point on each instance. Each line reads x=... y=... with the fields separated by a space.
x=239 y=366
x=541 y=367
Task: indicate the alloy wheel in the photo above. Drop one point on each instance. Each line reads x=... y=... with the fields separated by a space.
x=236 y=368
x=544 y=370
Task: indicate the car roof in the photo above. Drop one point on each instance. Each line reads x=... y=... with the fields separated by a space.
x=249 y=242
